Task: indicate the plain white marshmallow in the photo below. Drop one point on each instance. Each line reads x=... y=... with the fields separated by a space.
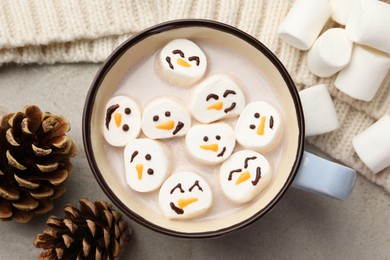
x=259 y=127
x=318 y=109
x=165 y=117
x=362 y=77
x=216 y=97
x=244 y=175
x=185 y=195
x=341 y=10
x=304 y=22
x=147 y=164
x=330 y=53
x=182 y=62
x=368 y=24
x=122 y=121
x=210 y=143
x=373 y=145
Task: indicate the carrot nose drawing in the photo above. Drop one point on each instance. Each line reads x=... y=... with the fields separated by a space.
x=139 y=168
x=243 y=177
x=183 y=63
x=210 y=147
x=185 y=202
x=260 y=128
x=166 y=126
x=118 y=119
x=216 y=105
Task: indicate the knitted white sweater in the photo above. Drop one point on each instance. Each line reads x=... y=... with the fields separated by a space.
x=49 y=31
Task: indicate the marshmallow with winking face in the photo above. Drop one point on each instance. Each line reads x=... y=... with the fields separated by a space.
x=216 y=97
x=244 y=175
x=182 y=62
x=122 y=121
x=165 y=117
x=259 y=127
x=185 y=195
x=211 y=143
x=147 y=164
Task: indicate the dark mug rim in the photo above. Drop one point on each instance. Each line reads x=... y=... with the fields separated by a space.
x=115 y=56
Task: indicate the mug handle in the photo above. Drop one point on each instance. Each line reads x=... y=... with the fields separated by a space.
x=320 y=176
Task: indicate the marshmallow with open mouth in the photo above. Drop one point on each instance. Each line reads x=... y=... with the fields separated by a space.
x=216 y=97
x=244 y=175
x=185 y=195
x=122 y=121
x=147 y=164
x=165 y=117
x=259 y=127
x=210 y=144
x=182 y=62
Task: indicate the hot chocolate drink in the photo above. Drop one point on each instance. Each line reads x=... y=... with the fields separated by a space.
x=147 y=81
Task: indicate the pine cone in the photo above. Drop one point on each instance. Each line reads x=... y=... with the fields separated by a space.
x=95 y=231
x=34 y=162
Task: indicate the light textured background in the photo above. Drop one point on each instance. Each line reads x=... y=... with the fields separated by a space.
x=301 y=226
x=56 y=31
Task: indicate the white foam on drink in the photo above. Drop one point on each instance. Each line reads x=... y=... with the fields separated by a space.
x=144 y=83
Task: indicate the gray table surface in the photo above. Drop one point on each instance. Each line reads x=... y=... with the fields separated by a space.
x=301 y=226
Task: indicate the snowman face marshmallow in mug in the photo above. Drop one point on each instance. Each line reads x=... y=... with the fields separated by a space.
x=122 y=121
x=259 y=127
x=165 y=117
x=216 y=97
x=147 y=164
x=244 y=175
x=185 y=195
x=210 y=144
x=182 y=62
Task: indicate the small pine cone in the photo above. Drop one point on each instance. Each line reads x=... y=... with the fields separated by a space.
x=95 y=231
x=34 y=162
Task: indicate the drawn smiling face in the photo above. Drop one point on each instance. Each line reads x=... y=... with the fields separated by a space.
x=122 y=121
x=147 y=164
x=165 y=117
x=182 y=62
x=185 y=195
x=216 y=97
x=210 y=144
x=259 y=127
x=244 y=175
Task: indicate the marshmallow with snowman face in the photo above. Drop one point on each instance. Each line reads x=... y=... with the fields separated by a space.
x=122 y=121
x=210 y=144
x=244 y=175
x=185 y=195
x=181 y=62
x=165 y=117
x=216 y=97
x=259 y=127
x=147 y=164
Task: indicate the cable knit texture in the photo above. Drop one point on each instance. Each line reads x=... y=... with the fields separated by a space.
x=50 y=31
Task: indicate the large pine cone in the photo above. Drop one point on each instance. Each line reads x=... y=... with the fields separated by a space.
x=34 y=162
x=95 y=231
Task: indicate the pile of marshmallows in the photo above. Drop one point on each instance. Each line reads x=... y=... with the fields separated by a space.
x=359 y=54
x=185 y=194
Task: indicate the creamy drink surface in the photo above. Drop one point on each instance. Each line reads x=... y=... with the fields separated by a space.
x=144 y=83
